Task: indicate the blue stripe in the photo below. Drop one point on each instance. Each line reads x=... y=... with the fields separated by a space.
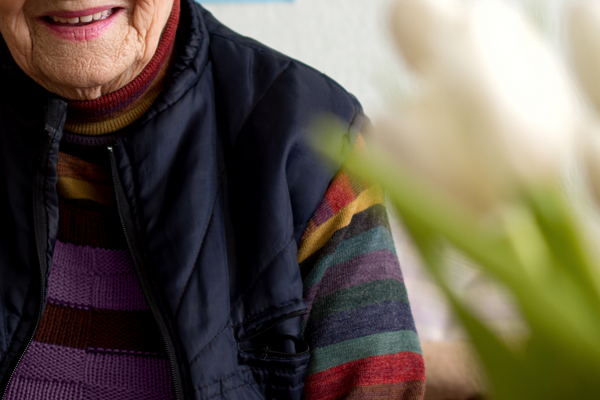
x=364 y=321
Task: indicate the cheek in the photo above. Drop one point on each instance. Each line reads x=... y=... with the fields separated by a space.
x=149 y=16
x=11 y=7
x=14 y=27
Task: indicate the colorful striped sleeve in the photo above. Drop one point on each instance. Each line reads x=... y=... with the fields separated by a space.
x=359 y=327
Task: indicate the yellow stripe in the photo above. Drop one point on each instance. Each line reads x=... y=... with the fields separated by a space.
x=73 y=188
x=320 y=236
x=112 y=125
x=127 y=116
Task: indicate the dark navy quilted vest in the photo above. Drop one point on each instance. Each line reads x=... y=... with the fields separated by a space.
x=215 y=186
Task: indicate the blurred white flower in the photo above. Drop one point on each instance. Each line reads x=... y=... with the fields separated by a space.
x=583 y=33
x=496 y=108
x=589 y=151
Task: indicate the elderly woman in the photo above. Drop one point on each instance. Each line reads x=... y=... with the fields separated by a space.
x=165 y=231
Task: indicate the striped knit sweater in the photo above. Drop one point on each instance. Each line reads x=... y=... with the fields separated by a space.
x=359 y=327
x=98 y=339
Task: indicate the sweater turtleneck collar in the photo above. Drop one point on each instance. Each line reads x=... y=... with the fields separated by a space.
x=115 y=111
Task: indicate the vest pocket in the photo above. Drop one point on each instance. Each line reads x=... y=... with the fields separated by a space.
x=281 y=341
x=281 y=347
x=278 y=358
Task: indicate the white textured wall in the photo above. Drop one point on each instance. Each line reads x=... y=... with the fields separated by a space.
x=343 y=38
x=346 y=39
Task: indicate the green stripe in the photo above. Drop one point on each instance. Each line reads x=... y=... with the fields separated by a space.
x=365 y=294
x=375 y=239
x=351 y=350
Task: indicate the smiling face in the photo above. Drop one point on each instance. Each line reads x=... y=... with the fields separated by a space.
x=83 y=49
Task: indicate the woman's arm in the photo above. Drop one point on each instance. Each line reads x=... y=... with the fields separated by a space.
x=359 y=326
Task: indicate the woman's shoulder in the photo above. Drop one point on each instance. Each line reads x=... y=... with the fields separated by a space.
x=248 y=72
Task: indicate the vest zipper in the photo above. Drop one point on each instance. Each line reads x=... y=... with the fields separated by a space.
x=37 y=324
x=40 y=237
x=136 y=256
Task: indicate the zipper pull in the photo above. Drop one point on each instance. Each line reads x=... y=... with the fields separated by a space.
x=266 y=351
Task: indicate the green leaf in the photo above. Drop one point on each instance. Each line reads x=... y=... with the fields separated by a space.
x=542 y=257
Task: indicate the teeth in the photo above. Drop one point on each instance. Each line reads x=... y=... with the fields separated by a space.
x=85 y=19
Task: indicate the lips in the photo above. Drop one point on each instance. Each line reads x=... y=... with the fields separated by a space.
x=81 y=25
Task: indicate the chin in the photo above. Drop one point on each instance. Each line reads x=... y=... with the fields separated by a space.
x=84 y=86
x=87 y=76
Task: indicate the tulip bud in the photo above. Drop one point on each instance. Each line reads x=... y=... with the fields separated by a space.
x=590 y=151
x=428 y=138
x=418 y=27
x=583 y=28
x=497 y=109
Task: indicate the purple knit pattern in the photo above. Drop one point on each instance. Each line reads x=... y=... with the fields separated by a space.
x=32 y=389
x=50 y=371
x=361 y=269
x=87 y=277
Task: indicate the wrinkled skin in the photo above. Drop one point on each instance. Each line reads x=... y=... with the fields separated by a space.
x=87 y=69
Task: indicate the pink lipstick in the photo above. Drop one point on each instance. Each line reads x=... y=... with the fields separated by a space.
x=80 y=25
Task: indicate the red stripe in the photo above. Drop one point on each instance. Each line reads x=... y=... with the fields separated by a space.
x=340 y=192
x=142 y=80
x=377 y=370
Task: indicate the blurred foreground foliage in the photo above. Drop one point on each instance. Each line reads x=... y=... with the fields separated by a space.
x=541 y=253
x=475 y=162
